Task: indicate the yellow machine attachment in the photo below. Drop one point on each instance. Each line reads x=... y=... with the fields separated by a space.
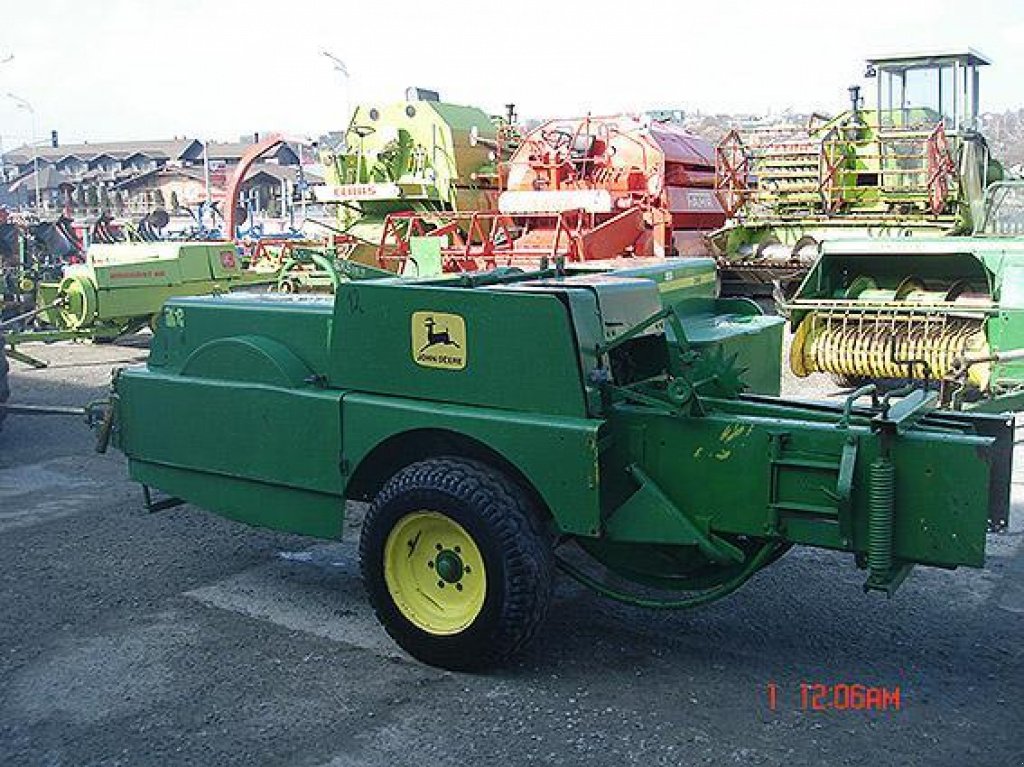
x=885 y=333
x=888 y=345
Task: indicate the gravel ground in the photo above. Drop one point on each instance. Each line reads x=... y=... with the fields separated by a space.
x=129 y=638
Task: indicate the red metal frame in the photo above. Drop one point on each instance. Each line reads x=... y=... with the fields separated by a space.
x=941 y=168
x=488 y=239
x=732 y=170
x=830 y=163
x=251 y=155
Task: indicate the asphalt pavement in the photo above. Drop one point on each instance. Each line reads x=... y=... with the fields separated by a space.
x=177 y=637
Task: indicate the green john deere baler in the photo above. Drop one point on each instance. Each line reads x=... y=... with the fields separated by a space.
x=505 y=424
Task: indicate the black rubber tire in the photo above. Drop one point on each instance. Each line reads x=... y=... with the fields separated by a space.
x=5 y=387
x=512 y=539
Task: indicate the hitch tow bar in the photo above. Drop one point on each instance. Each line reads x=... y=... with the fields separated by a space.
x=98 y=415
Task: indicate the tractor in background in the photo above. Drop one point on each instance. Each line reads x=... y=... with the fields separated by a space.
x=914 y=165
x=422 y=155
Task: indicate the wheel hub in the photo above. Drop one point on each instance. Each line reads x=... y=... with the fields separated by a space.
x=449 y=566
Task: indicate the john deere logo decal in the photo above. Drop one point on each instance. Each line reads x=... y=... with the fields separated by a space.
x=439 y=340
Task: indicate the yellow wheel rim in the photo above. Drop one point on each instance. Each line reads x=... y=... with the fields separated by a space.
x=79 y=306
x=434 y=573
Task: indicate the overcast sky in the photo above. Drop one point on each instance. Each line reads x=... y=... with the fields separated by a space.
x=130 y=69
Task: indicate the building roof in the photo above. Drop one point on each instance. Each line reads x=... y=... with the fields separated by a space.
x=172 y=149
x=196 y=174
x=227 y=150
x=49 y=178
x=233 y=151
x=272 y=170
x=178 y=149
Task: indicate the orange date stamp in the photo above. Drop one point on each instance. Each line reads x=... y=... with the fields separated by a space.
x=840 y=696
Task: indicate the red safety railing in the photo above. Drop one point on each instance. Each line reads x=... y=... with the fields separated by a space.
x=484 y=240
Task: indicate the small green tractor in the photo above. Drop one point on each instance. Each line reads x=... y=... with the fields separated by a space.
x=914 y=165
x=622 y=426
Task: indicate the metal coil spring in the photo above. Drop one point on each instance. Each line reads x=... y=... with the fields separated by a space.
x=881 y=504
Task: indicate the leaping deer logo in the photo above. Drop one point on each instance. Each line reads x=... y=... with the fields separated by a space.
x=437 y=337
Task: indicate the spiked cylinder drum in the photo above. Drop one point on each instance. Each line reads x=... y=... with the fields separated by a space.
x=888 y=344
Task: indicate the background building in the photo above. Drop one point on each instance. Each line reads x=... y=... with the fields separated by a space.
x=134 y=177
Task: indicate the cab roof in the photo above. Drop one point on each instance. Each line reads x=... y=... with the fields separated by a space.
x=968 y=56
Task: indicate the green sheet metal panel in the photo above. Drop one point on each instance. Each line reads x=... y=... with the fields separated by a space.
x=463 y=155
x=678 y=278
x=289 y=509
x=514 y=351
x=142 y=265
x=557 y=455
x=136 y=264
x=195 y=261
x=748 y=471
x=223 y=261
x=125 y=303
x=270 y=434
x=736 y=326
x=252 y=442
x=302 y=323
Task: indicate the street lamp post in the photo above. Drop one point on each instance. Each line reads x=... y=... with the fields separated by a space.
x=7 y=59
x=339 y=66
x=206 y=183
x=24 y=104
